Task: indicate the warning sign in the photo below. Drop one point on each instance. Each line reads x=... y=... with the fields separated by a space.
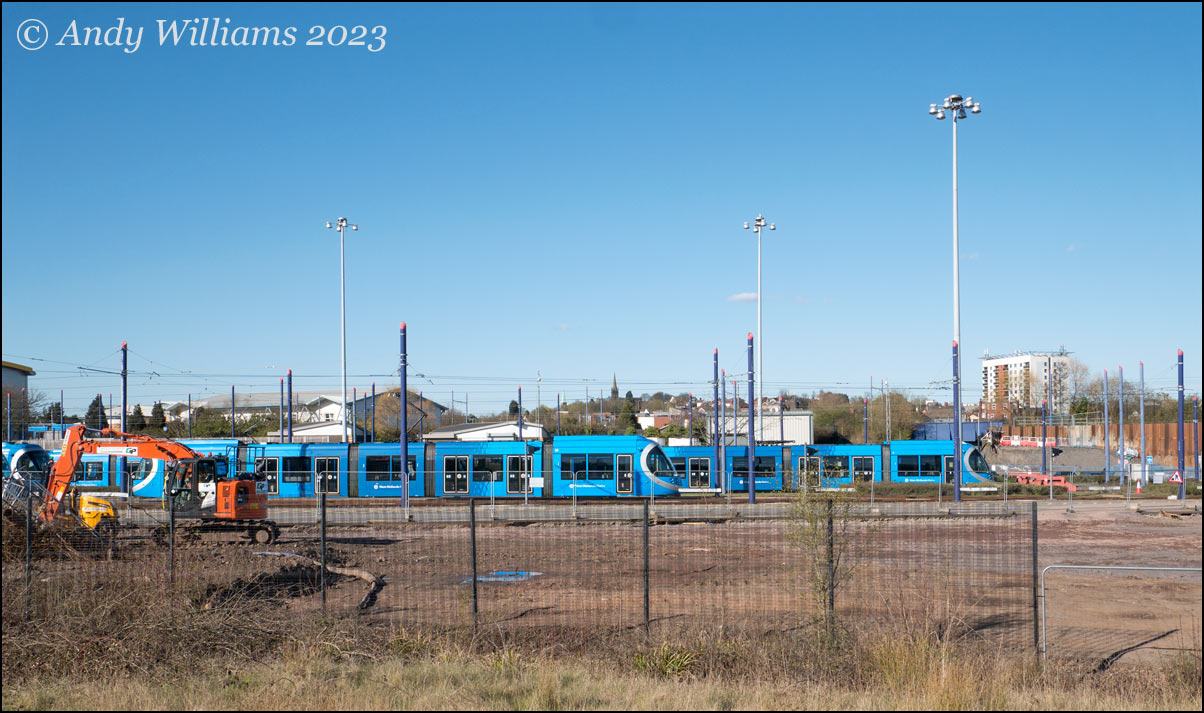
x=1176 y=478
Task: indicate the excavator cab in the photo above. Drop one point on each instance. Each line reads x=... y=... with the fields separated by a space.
x=188 y=481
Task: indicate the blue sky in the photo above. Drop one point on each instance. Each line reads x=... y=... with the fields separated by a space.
x=561 y=189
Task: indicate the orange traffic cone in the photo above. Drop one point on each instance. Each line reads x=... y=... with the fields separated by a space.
x=1139 y=486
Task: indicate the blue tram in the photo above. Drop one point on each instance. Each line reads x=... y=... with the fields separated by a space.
x=566 y=466
x=830 y=465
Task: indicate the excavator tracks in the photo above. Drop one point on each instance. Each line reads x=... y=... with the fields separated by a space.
x=189 y=534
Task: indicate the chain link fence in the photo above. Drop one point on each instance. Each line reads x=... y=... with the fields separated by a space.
x=589 y=569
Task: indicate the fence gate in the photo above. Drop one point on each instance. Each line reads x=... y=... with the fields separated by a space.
x=1105 y=612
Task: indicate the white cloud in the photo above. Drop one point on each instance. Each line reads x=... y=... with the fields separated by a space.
x=1070 y=248
x=562 y=327
x=743 y=297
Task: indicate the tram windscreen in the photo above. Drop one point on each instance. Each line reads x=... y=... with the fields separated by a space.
x=37 y=461
x=660 y=464
x=978 y=464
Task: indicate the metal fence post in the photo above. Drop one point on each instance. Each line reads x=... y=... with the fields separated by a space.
x=831 y=575
x=171 y=538
x=28 y=546
x=1036 y=618
x=647 y=618
x=322 y=528
x=472 y=530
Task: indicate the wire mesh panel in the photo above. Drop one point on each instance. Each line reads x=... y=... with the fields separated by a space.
x=588 y=567
x=961 y=570
x=1105 y=614
x=583 y=573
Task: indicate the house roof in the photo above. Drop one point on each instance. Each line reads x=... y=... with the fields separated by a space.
x=456 y=431
x=19 y=367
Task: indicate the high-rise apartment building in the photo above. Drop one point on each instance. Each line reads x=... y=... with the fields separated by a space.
x=1022 y=380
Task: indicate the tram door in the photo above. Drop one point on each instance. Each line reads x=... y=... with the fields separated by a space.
x=518 y=474
x=625 y=478
x=326 y=475
x=863 y=468
x=700 y=472
x=455 y=474
x=808 y=469
x=948 y=469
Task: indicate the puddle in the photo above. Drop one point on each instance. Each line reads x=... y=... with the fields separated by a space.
x=502 y=577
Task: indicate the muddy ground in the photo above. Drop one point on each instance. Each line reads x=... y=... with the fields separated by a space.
x=964 y=576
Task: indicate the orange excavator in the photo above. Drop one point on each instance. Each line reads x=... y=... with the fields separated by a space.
x=192 y=486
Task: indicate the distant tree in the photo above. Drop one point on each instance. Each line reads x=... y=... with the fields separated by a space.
x=136 y=423
x=627 y=419
x=53 y=413
x=157 y=418
x=95 y=418
x=514 y=408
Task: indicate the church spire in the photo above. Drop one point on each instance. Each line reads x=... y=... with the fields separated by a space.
x=614 y=387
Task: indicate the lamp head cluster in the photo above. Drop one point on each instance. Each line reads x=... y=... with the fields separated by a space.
x=956 y=105
x=341 y=225
x=758 y=223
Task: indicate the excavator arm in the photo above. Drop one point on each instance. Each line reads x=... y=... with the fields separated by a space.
x=76 y=445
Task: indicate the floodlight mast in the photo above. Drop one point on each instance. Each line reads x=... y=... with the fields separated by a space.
x=957 y=106
x=341 y=226
x=758 y=224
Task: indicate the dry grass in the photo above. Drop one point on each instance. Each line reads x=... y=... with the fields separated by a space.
x=129 y=643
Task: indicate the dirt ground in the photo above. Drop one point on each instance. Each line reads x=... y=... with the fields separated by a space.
x=1102 y=613
x=961 y=575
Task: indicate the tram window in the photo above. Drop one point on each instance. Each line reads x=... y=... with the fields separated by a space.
x=487 y=468
x=836 y=466
x=601 y=466
x=679 y=464
x=767 y=466
x=379 y=467
x=94 y=471
x=411 y=468
x=863 y=467
x=295 y=469
x=572 y=467
x=930 y=465
x=909 y=465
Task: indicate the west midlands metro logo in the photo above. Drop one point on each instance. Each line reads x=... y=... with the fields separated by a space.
x=32 y=34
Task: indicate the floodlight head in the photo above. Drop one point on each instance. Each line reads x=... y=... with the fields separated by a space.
x=961 y=113
x=746 y=225
x=355 y=227
x=328 y=226
x=976 y=109
x=969 y=101
x=771 y=227
x=940 y=115
x=932 y=108
x=947 y=105
x=955 y=98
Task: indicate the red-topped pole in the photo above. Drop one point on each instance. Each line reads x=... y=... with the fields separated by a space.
x=752 y=440
x=957 y=426
x=1182 y=470
x=403 y=425
x=715 y=419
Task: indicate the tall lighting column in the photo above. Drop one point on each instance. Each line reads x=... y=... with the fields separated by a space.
x=341 y=226
x=757 y=224
x=956 y=105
